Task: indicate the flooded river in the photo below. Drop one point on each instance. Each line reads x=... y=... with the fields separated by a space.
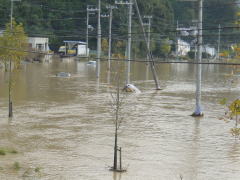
x=63 y=128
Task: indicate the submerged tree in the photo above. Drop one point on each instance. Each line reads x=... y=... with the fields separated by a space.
x=117 y=104
x=13 y=49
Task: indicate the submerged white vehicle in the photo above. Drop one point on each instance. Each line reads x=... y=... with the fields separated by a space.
x=91 y=63
x=131 y=88
x=63 y=74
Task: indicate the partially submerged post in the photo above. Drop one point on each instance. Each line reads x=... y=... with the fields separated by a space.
x=198 y=108
x=129 y=46
x=99 y=36
x=110 y=7
x=90 y=10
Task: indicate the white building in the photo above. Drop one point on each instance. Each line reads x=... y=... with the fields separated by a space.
x=182 y=48
x=209 y=50
x=1 y=32
x=80 y=47
x=39 y=43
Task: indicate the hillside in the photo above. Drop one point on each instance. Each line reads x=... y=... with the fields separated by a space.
x=62 y=19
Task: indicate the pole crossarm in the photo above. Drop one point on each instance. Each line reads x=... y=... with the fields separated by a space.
x=188 y=0
x=111 y=6
x=147 y=17
x=105 y=16
x=123 y=3
x=91 y=8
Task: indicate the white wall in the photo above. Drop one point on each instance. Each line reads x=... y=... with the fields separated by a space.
x=39 y=43
x=82 y=50
x=182 y=47
x=209 y=50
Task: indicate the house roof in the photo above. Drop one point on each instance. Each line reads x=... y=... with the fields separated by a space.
x=75 y=42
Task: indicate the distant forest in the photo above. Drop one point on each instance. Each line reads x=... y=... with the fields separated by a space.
x=66 y=20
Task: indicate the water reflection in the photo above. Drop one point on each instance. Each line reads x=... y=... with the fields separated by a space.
x=195 y=145
x=117 y=176
x=234 y=151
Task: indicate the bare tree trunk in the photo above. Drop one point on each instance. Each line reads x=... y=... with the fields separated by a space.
x=116 y=127
x=5 y=66
x=120 y=158
x=10 y=113
x=115 y=152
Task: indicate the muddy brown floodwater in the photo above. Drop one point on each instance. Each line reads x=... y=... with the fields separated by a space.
x=62 y=127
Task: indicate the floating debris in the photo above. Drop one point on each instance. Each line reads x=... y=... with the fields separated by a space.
x=131 y=88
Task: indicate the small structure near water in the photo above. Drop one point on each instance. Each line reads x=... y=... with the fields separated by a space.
x=73 y=48
x=39 y=44
x=40 y=48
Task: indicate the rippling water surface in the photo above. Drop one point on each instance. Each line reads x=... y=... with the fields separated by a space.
x=64 y=126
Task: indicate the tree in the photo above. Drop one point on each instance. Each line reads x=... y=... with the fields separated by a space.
x=13 y=49
x=117 y=105
x=165 y=48
x=232 y=113
x=105 y=45
x=13 y=44
x=119 y=49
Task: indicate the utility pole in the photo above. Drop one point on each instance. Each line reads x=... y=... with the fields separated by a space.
x=177 y=42
x=195 y=22
x=198 y=109
x=11 y=13
x=110 y=7
x=99 y=34
x=10 y=111
x=130 y=4
x=90 y=10
x=129 y=41
x=149 y=52
x=219 y=41
x=149 y=34
x=87 y=33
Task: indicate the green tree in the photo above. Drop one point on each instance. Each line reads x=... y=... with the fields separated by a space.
x=13 y=44
x=105 y=45
x=165 y=48
x=13 y=49
x=232 y=114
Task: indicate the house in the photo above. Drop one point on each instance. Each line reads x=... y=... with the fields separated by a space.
x=191 y=31
x=74 y=48
x=209 y=50
x=182 y=48
x=39 y=44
